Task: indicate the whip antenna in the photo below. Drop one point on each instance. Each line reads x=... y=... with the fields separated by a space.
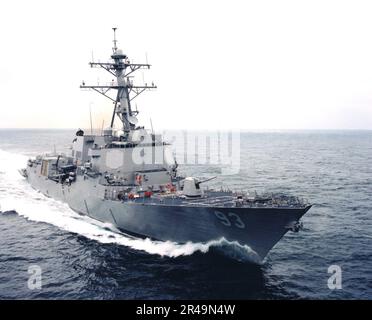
x=114 y=41
x=90 y=114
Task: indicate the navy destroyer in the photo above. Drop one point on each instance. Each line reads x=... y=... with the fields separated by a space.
x=106 y=179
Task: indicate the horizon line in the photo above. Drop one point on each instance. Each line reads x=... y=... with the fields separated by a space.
x=199 y=129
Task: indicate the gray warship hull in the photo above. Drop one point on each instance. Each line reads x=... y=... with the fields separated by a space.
x=260 y=228
x=127 y=176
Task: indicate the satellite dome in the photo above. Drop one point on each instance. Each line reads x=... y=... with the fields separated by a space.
x=118 y=54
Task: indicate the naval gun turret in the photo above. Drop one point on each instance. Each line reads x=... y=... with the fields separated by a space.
x=191 y=187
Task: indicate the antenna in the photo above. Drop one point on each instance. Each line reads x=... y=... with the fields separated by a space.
x=114 y=41
x=103 y=123
x=152 y=129
x=91 y=125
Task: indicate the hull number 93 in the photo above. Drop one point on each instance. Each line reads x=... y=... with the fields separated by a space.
x=230 y=219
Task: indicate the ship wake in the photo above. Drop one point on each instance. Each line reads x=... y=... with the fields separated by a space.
x=17 y=195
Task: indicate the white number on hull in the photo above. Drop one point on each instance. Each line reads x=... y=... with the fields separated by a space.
x=234 y=219
x=224 y=220
x=238 y=222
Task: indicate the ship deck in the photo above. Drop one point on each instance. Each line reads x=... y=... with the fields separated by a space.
x=217 y=199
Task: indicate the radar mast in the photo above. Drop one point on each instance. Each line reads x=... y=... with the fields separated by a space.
x=120 y=67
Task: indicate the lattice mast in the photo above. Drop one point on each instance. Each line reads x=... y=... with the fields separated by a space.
x=120 y=67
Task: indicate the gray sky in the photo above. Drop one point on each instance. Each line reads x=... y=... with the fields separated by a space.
x=218 y=64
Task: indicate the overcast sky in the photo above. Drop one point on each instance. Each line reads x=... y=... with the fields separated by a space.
x=217 y=64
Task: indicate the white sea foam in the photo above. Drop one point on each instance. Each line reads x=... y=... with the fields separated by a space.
x=16 y=194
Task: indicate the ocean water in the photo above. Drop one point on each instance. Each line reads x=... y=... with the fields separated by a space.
x=82 y=259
